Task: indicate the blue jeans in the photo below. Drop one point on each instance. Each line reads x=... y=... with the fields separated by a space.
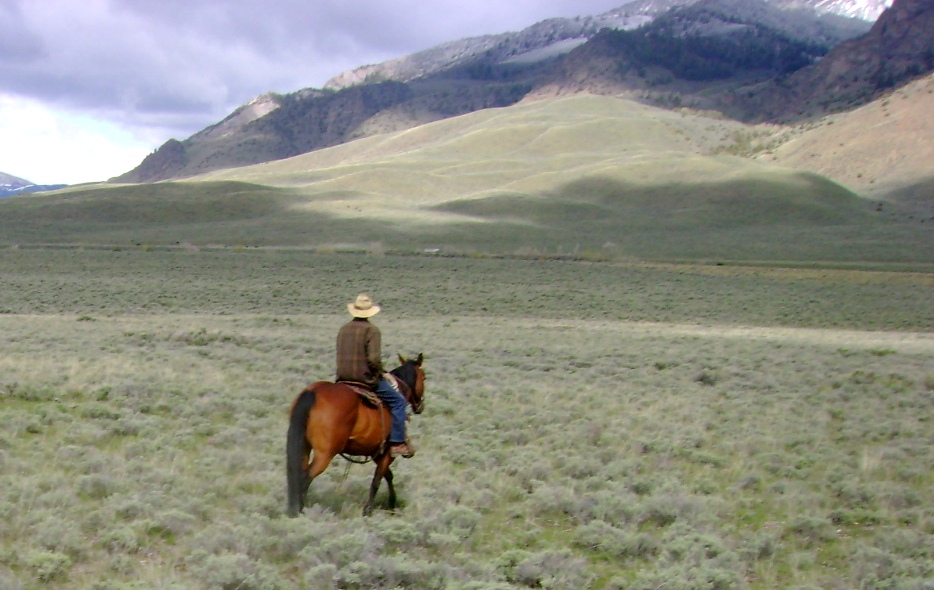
x=396 y=404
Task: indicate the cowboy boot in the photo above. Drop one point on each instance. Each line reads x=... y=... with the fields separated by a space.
x=404 y=449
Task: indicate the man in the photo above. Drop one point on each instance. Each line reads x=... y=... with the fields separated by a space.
x=359 y=358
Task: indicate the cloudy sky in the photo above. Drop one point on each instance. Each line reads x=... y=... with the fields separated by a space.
x=88 y=88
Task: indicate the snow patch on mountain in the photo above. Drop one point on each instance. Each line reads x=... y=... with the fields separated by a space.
x=867 y=10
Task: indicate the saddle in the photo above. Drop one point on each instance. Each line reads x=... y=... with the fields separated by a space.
x=368 y=396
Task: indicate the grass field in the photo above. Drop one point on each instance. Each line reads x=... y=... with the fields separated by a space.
x=588 y=425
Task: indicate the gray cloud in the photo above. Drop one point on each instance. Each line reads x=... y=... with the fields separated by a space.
x=175 y=66
x=18 y=46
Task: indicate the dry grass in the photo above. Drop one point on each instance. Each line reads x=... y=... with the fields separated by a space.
x=875 y=149
x=564 y=445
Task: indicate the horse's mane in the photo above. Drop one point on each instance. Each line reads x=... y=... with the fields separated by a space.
x=406 y=372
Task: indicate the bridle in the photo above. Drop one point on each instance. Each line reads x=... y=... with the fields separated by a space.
x=419 y=404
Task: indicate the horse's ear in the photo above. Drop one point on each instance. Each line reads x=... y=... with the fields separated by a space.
x=402 y=359
x=419 y=360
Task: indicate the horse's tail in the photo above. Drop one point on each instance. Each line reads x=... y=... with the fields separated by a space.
x=296 y=447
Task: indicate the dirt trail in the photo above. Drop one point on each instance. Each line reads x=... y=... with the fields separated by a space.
x=903 y=342
x=906 y=342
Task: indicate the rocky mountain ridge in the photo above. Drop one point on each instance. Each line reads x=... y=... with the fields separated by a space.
x=561 y=32
x=898 y=48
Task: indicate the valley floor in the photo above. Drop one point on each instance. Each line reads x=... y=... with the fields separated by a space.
x=586 y=426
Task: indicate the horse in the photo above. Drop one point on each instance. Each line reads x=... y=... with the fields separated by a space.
x=328 y=419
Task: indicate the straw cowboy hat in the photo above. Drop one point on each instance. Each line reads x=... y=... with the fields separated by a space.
x=363 y=307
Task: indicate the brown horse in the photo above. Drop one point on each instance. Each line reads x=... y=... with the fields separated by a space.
x=328 y=419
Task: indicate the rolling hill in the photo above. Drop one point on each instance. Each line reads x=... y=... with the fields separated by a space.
x=585 y=176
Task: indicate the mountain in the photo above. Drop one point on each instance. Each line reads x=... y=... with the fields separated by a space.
x=8 y=182
x=556 y=36
x=11 y=185
x=703 y=54
x=448 y=80
x=899 y=47
x=695 y=55
x=539 y=42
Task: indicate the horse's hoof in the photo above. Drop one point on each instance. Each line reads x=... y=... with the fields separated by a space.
x=294 y=512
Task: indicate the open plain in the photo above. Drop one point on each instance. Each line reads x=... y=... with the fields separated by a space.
x=588 y=424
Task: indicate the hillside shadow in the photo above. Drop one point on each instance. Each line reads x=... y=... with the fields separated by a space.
x=916 y=200
x=798 y=217
x=803 y=217
x=144 y=204
x=801 y=199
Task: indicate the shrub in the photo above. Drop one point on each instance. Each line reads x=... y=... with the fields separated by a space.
x=618 y=543
x=546 y=569
x=343 y=549
x=812 y=530
x=760 y=545
x=397 y=534
x=687 y=577
x=48 y=566
x=689 y=560
x=119 y=539
x=233 y=571
x=663 y=510
x=876 y=568
x=389 y=572
x=460 y=521
x=61 y=536
x=321 y=577
x=97 y=486
x=707 y=377
x=480 y=585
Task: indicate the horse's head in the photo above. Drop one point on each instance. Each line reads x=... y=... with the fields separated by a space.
x=411 y=373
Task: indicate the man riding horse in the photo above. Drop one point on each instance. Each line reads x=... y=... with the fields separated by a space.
x=359 y=359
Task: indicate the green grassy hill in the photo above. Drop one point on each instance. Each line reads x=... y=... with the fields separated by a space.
x=591 y=176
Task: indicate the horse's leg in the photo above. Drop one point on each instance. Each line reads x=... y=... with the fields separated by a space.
x=382 y=467
x=319 y=462
x=392 y=490
x=306 y=481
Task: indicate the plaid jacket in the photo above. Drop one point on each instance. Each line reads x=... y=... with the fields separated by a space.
x=358 y=352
